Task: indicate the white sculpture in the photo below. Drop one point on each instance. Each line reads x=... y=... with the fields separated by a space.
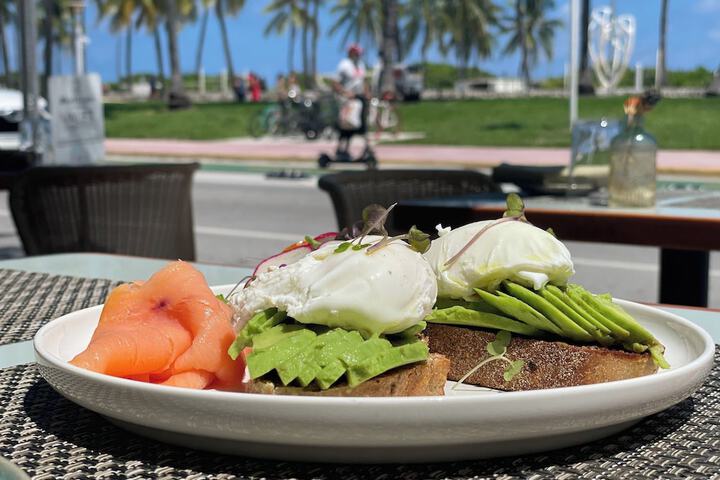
x=610 y=42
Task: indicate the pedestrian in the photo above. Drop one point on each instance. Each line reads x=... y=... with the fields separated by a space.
x=239 y=88
x=352 y=86
x=255 y=87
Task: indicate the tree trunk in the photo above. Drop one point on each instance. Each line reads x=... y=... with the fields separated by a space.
x=660 y=67
x=201 y=41
x=585 y=84
x=176 y=96
x=159 y=54
x=315 y=34
x=520 y=22
x=5 y=57
x=389 y=45
x=128 y=58
x=48 y=52
x=291 y=48
x=305 y=53
x=220 y=12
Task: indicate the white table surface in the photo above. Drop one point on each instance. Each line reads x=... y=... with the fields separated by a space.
x=124 y=268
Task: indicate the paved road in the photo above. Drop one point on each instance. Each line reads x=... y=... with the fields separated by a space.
x=242 y=218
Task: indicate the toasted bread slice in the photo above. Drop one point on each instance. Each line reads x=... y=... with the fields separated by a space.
x=548 y=364
x=426 y=378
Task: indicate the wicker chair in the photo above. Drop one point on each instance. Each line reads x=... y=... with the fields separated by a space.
x=350 y=192
x=143 y=210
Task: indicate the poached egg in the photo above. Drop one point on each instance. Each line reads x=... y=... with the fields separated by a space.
x=514 y=250
x=386 y=291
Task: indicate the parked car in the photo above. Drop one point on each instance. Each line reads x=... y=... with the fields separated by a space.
x=409 y=81
x=11 y=113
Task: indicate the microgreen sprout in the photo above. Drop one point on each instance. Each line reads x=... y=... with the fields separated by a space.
x=497 y=350
x=374 y=218
x=342 y=247
x=221 y=297
x=247 y=279
x=314 y=244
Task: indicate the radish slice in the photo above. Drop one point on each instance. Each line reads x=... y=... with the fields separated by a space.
x=282 y=259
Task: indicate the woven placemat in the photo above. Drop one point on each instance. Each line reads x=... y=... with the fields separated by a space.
x=50 y=437
x=30 y=300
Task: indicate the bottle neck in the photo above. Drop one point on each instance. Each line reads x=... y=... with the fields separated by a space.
x=634 y=121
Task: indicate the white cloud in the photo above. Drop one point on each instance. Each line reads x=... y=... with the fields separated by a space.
x=707 y=6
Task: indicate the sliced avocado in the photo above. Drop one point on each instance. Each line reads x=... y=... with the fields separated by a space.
x=260 y=362
x=480 y=305
x=618 y=332
x=578 y=308
x=570 y=328
x=385 y=360
x=274 y=335
x=557 y=302
x=259 y=323
x=458 y=315
x=329 y=359
x=613 y=312
x=519 y=310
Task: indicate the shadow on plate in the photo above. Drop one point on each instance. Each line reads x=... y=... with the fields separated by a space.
x=60 y=420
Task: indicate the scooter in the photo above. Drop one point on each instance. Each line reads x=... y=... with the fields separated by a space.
x=343 y=156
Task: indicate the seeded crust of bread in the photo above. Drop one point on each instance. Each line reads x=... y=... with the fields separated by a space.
x=548 y=364
x=419 y=379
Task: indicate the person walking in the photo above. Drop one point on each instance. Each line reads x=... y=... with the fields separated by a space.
x=352 y=86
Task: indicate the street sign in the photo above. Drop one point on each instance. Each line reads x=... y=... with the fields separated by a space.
x=77 y=125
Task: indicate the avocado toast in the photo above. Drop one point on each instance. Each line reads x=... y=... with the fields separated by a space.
x=508 y=276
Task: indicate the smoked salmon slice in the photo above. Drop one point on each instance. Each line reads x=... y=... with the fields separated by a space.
x=170 y=330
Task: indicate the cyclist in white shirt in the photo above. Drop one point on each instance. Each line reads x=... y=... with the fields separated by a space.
x=351 y=84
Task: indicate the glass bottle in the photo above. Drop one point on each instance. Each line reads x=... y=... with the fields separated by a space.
x=632 y=166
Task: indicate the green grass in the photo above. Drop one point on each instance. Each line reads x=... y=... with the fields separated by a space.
x=533 y=122
x=206 y=121
x=543 y=122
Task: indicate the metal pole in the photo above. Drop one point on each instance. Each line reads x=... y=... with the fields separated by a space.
x=28 y=43
x=574 y=59
x=77 y=7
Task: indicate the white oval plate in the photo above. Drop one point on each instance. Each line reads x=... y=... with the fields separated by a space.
x=468 y=423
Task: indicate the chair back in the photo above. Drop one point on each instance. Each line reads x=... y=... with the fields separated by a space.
x=143 y=210
x=350 y=192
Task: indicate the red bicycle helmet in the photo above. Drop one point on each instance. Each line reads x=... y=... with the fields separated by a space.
x=355 y=48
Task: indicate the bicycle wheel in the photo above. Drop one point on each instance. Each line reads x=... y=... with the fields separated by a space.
x=258 y=126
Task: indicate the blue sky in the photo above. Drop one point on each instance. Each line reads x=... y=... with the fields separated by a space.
x=693 y=40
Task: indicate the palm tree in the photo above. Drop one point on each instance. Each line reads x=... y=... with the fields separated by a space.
x=466 y=26
x=121 y=14
x=531 y=32
x=660 y=67
x=421 y=19
x=55 y=23
x=149 y=16
x=585 y=85
x=6 y=16
x=360 y=21
x=314 y=21
x=287 y=15
x=201 y=38
x=390 y=45
x=176 y=95
x=231 y=7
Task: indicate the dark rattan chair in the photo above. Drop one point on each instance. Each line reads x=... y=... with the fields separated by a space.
x=352 y=191
x=143 y=210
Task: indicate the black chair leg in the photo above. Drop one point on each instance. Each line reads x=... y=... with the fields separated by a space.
x=684 y=277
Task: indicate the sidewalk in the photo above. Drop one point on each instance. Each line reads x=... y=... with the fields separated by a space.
x=694 y=162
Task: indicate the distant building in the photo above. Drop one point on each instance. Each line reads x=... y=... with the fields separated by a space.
x=501 y=85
